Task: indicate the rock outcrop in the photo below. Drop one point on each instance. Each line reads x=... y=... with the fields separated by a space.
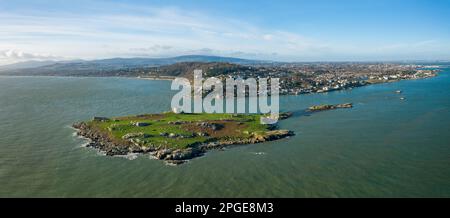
x=329 y=107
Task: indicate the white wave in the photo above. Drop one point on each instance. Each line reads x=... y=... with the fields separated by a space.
x=84 y=141
x=100 y=152
x=129 y=156
x=85 y=144
x=153 y=157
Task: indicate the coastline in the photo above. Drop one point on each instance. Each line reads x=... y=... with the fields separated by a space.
x=156 y=78
x=367 y=82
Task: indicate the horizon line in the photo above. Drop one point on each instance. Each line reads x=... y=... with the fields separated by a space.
x=231 y=57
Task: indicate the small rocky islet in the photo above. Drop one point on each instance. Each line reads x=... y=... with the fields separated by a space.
x=325 y=107
x=176 y=138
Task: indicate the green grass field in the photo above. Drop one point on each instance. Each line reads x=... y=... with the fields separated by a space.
x=185 y=133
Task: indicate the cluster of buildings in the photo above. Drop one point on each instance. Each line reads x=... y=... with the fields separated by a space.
x=326 y=77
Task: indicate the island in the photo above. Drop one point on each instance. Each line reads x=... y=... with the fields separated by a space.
x=176 y=138
x=329 y=107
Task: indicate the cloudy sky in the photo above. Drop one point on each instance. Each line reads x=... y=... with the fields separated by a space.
x=331 y=30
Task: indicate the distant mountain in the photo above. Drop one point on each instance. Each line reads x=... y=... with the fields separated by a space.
x=104 y=66
x=27 y=64
x=203 y=58
x=34 y=64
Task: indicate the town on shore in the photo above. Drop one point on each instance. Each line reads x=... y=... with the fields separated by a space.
x=295 y=78
x=298 y=79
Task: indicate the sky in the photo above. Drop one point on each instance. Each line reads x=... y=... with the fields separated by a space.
x=285 y=30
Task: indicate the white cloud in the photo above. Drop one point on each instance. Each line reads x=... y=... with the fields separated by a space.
x=158 y=32
x=267 y=37
x=152 y=32
x=12 y=56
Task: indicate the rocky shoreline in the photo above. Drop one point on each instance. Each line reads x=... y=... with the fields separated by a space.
x=104 y=142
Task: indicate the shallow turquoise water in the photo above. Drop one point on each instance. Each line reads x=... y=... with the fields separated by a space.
x=383 y=147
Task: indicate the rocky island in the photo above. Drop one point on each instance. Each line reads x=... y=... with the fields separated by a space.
x=176 y=138
x=329 y=107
